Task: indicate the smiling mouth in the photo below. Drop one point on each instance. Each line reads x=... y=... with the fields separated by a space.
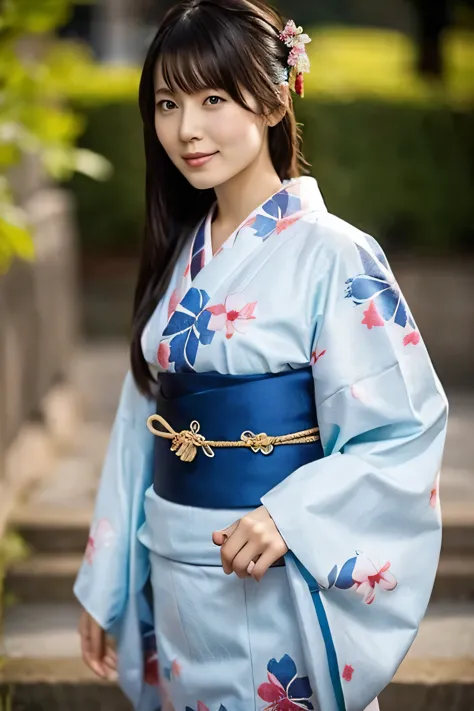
x=198 y=159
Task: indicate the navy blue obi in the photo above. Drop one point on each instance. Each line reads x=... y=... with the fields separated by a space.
x=226 y=406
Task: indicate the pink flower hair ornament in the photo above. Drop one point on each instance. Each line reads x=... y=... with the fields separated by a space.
x=298 y=60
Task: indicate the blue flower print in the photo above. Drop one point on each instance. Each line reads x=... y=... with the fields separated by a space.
x=285 y=690
x=188 y=327
x=276 y=214
x=378 y=286
x=363 y=575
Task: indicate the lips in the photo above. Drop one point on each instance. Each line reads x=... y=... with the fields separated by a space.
x=196 y=160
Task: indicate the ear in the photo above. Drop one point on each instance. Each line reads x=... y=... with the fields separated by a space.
x=283 y=92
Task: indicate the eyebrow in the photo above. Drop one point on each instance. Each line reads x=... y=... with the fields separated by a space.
x=163 y=90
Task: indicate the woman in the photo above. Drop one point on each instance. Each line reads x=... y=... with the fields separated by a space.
x=284 y=492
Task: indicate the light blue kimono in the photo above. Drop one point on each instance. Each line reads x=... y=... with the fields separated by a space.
x=295 y=286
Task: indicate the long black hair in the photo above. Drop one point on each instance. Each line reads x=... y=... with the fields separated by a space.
x=226 y=44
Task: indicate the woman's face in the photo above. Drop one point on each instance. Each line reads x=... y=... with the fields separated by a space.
x=223 y=137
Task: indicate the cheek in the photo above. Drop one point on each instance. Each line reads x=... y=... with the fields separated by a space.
x=165 y=134
x=241 y=132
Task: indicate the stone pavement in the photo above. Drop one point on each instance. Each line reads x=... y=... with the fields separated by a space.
x=40 y=640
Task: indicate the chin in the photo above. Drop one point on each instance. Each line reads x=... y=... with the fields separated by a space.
x=203 y=181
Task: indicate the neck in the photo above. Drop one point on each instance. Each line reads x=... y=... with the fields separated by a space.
x=240 y=196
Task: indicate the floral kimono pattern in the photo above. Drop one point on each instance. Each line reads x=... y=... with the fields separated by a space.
x=294 y=287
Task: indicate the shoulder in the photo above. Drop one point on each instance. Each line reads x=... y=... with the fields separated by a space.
x=335 y=241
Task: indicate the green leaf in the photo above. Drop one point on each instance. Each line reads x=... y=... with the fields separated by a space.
x=15 y=241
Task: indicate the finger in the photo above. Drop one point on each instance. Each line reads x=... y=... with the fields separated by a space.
x=220 y=537
x=97 y=648
x=87 y=646
x=248 y=554
x=270 y=556
x=231 y=548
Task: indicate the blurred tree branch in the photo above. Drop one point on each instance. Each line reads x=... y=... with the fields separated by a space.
x=34 y=117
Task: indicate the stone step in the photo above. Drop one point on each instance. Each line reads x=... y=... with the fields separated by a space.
x=50 y=577
x=44 y=578
x=56 y=685
x=454 y=579
x=49 y=529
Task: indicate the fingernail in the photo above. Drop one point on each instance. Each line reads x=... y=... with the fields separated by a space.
x=112 y=675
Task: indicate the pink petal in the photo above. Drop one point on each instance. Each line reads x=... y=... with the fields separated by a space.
x=273 y=680
x=105 y=533
x=348 y=672
x=163 y=355
x=363 y=568
x=388 y=581
x=370 y=597
x=269 y=692
x=217 y=310
x=286 y=222
x=230 y=329
x=217 y=323
x=242 y=326
x=372 y=317
x=247 y=311
x=202 y=707
x=234 y=302
x=367 y=592
x=413 y=338
x=174 y=301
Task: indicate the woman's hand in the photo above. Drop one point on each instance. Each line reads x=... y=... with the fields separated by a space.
x=97 y=650
x=250 y=545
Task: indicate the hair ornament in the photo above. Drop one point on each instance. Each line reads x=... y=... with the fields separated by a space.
x=298 y=60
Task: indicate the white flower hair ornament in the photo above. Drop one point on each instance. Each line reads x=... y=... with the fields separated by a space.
x=298 y=60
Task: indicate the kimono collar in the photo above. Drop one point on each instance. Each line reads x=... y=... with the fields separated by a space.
x=296 y=198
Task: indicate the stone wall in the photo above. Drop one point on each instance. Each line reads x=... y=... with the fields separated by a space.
x=38 y=323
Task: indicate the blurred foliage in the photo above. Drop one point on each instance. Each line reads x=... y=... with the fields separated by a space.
x=12 y=550
x=349 y=64
x=33 y=116
x=392 y=153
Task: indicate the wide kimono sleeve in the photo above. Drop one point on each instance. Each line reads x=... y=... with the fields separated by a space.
x=363 y=523
x=114 y=559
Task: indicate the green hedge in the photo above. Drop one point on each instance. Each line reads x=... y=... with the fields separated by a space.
x=401 y=172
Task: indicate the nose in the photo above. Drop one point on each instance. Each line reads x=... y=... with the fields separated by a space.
x=189 y=127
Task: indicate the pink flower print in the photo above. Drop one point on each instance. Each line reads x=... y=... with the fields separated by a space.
x=151 y=671
x=360 y=393
x=348 y=672
x=101 y=536
x=372 y=317
x=285 y=690
x=163 y=355
x=413 y=338
x=176 y=668
x=175 y=298
x=286 y=222
x=315 y=357
x=250 y=222
x=434 y=492
x=234 y=315
x=366 y=575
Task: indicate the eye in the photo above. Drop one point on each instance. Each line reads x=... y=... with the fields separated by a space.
x=214 y=100
x=166 y=105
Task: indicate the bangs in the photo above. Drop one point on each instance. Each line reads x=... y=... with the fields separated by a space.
x=197 y=55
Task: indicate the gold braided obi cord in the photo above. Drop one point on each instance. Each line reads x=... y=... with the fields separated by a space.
x=185 y=444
